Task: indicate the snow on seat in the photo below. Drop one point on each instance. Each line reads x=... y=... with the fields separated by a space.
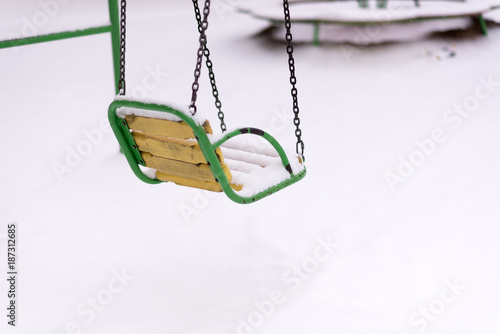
x=257 y=168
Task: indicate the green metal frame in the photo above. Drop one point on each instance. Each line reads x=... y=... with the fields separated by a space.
x=134 y=158
x=316 y=34
x=113 y=28
x=482 y=23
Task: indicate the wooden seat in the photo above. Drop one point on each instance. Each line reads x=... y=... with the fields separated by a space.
x=170 y=148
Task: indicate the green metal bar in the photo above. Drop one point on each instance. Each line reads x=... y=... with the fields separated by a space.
x=54 y=37
x=127 y=143
x=482 y=23
x=115 y=38
x=316 y=34
x=130 y=141
x=129 y=148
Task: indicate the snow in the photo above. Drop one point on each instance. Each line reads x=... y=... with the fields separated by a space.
x=257 y=171
x=370 y=258
x=124 y=111
x=493 y=16
x=254 y=158
x=249 y=143
x=255 y=180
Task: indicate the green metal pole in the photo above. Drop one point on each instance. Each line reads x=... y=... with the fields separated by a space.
x=115 y=39
x=53 y=37
x=316 y=34
x=482 y=23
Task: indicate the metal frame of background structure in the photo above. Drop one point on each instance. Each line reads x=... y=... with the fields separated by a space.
x=317 y=24
x=113 y=28
x=380 y=4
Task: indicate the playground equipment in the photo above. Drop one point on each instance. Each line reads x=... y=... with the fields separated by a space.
x=369 y=13
x=176 y=145
x=112 y=27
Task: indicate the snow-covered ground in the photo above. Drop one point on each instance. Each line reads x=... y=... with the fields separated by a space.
x=395 y=228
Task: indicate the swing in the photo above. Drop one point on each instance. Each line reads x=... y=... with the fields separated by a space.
x=166 y=143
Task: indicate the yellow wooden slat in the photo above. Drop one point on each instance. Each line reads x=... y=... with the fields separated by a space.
x=161 y=127
x=211 y=186
x=170 y=148
x=236 y=187
x=205 y=185
x=186 y=150
x=167 y=146
x=199 y=172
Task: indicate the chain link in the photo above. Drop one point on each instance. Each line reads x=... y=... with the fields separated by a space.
x=293 y=80
x=211 y=74
x=203 y=25
x=123 y=21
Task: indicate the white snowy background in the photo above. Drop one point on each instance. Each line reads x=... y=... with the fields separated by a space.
x=100 y=252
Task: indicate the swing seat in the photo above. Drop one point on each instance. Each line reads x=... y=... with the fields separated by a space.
x=179 y=148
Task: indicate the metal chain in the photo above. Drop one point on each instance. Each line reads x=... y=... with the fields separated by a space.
x=123 y=21
x=293 y=79
x=203 y=42
x=215 y=92
x=211 y=74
